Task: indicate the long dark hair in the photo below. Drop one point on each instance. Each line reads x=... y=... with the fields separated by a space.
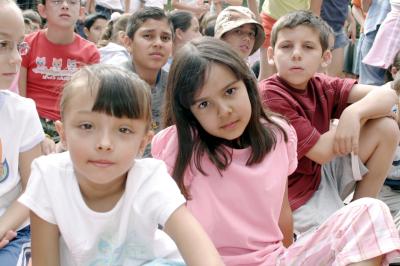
x=187 y=75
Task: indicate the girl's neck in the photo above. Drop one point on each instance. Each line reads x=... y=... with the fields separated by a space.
x=58 y=36
x=102 y=198
x=148 y=75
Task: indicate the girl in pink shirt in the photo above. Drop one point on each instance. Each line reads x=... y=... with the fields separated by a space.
x=231 y=158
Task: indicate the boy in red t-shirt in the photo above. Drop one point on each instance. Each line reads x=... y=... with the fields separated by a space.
x=55 y=53
x=333 y=161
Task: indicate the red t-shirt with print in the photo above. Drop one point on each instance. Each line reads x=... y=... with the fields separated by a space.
x=49 y=65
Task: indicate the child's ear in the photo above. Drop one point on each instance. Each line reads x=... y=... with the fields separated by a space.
x=127 y=42
x=270 y=56
x=326 y=58
x=121 y=38
x=82 y=12
x=42 y=10
x=178 y=34
x=60 y=130
x=393 y=71
x=86 y=31
x=145 y=141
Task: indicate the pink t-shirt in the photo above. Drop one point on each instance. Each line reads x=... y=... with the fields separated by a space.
x=239 y=208
x=310 y=112
x=49 y=65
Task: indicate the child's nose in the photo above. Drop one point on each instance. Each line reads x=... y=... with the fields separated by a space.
x=104 y=142
x=296 y=54
x=224 y=109
x=15 y=56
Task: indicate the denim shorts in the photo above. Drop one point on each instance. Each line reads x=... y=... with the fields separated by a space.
x=341 y=39
x=18 y=251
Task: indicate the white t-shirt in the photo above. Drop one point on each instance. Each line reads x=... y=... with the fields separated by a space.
x=111 y=4
x=125 y=235
x=20 y=131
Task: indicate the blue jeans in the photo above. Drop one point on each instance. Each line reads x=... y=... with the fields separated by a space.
x=369 y=74
x=106 y=11
x=18 y=247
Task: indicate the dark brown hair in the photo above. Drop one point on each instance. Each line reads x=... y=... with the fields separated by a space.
x=186 y=77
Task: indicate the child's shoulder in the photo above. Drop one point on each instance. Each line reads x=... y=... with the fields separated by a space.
x=165 y=141
x=34 y=35
x=286 y=127
x=17 y=102
x=53 y=163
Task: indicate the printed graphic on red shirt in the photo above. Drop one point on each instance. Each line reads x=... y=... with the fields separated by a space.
x=55 y=72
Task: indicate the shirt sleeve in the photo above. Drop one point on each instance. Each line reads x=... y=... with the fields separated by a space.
x=32 y=129
x=306 y=134
x=36 y=196
x=162 y=196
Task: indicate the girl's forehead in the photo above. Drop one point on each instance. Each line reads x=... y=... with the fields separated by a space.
x=11 y=23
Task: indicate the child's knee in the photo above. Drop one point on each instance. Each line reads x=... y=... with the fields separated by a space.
x=386 y=129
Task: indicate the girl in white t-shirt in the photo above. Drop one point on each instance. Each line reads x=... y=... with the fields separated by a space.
x=20 y=137
x=232 y=158
x=97 y=204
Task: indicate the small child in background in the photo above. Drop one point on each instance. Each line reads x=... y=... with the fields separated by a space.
x=231 y=159
x=149 y=36
x=94 y=26
x=186 y=28
x=54 y=55
x=20 y=137
x=34 y=17
x=96 y=204
x=111 y=45
x=238 y=26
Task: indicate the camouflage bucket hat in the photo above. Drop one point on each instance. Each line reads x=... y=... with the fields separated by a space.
x=235 y=16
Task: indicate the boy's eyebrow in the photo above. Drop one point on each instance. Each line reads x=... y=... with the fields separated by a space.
x=152 y=30
x=223 y=88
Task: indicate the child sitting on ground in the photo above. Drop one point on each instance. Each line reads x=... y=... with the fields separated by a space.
x=327 y=173
x=20 y=138
x=97 y=204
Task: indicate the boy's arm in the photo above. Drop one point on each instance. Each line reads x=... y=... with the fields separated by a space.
x=368 y=102
x=193 y=243
x=45 y=245
x=197 y=9
x=17 y=213
x=315 y=6
x=352 y=26
x=253 y=6
x=23 y=72
x=365 y=4
x=358 y=15
x=344 y=139
x=286 y=220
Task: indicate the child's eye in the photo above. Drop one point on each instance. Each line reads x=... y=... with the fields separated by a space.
x=309 y=46
x=285 y=46
x=203 y=105
x=147 y=36
x=85 y=126
x=125 y=130
x=230 y=91
x=166 y=38
x=5 y=44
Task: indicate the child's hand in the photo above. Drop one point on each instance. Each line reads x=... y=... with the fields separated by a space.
x=10 y=235
x=347 y=133
x=48 y=146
